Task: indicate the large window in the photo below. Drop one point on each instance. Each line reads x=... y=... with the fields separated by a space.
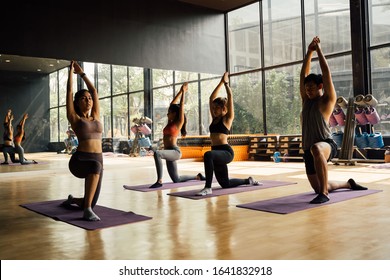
x=380 y=60
x=330 y=20
x=244 y=38
x=381 y=87
x=267 y=41
x=283 y=100
x=166 y=84
x=207 y=84
x=379 y=19
x=161 y=100
x=58 y=120
x=280 y=37
x=282 y=31
x=248 y=109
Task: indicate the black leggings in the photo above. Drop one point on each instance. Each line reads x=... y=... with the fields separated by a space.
x=82 y=164
x=9 y=150
x=216 y=161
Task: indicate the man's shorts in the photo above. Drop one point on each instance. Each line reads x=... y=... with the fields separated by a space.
x=309 y=160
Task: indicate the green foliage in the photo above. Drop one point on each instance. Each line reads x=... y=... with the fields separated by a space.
x=283 y=103
x=247 y=104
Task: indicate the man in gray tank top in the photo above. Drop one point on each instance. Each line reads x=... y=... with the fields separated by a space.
x=318 y=100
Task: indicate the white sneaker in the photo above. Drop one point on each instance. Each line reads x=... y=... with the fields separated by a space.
x=205 y=191
x=253 y=182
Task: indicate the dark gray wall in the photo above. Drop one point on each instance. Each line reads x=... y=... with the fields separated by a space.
x=148 y=33
x=145 y=33
x=27 y=93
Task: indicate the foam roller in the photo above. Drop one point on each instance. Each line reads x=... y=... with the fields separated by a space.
x=370 y=100
x=359 y=100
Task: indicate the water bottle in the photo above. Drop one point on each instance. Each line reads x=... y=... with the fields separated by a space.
x=276 y=157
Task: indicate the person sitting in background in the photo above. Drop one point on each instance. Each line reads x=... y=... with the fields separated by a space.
x=71 y=142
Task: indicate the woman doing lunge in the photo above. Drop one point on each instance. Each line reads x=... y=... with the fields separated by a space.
x=171 y=152
x=87 y=162
x=216 y=160
x=19 y=137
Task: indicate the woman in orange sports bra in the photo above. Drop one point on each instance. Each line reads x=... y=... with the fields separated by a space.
x=83 y=114
x=171 y=153
x=216 y=160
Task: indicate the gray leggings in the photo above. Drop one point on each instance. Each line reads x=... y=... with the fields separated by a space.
x=171 y=156
x=19 y=149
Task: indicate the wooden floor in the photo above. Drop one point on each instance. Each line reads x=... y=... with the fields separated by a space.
x=212 y=228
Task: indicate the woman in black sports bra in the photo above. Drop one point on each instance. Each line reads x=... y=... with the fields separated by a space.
x=216 y=160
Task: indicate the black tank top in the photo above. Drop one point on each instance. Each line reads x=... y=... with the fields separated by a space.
x=218 y=127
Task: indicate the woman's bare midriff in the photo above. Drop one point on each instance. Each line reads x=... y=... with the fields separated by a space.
x=169 y=141
x=8 y=143
x=218 y=139
x=90 y=146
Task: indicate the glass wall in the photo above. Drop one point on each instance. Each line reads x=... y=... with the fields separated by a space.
x=162 y=97
x=379 y=20
x=281 y=45
x=244 y=38
x=283 y=101
x=330 y=20
x=248 y=105
x=282 y=31
x=267 y=41
x=121 y=92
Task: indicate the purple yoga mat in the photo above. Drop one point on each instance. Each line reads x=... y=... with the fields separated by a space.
x=224 y=191
x=17 y=163
x=73 y=215
x=165 y=186
x=298 y=202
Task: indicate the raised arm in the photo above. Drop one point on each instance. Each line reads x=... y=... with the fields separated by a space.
x=329 y=96
x=95 y=112
x=8 y=116
x=306 y=67
x=22 y=122
x=230 y=105
x=215 y=92
x=8 y=124
x=70 y=111
x=181 y=96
